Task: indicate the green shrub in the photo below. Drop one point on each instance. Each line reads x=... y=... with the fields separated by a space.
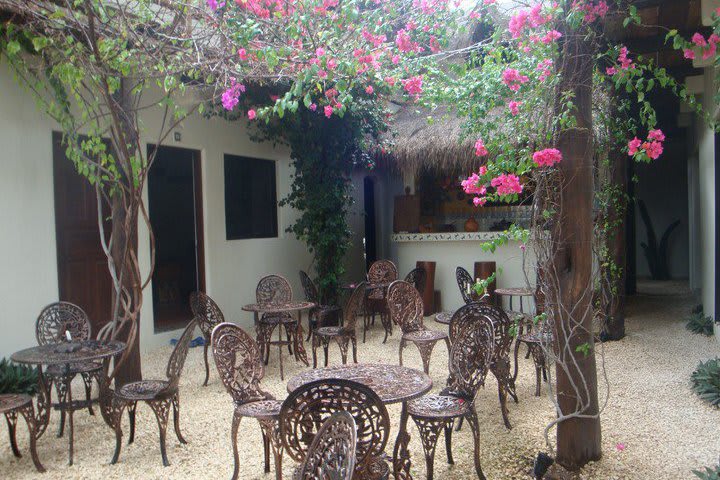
x=698 y=323
x=706 y=381
x=17 y=378
x=709 y=473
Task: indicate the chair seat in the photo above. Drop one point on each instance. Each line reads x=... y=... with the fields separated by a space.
x=444 y=317
x=425 y=336
x=143 y=390
x=12 y=401
x=330 y=331
x=75 y=368
x=536 y=338
x=439 y=406
x=260 y=409
x=276 y=319
x=375 y=468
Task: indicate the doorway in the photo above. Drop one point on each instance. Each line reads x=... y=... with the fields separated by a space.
x=370 y=239
x=83 y=273
x=175 y=209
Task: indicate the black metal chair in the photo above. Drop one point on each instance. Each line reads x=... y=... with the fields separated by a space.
x=416 y=277
x=208 y=315
x=320 y=314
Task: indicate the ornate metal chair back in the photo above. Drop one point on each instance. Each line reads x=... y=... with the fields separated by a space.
x=273 y=289
x=311 y=292
x=332 y=452
x=238 y=360
x=382 y=271
x=352 y=307
x=179 y=354
x=417 y=277
x=406 y=306
x=60 y=317
x=206 y=312
x=471 y=352
x=464 y=280
x=305 y=409
x=502 y=339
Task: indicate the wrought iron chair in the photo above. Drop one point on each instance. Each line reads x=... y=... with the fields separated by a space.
x=320 y=313
x=465 y=283
x=406 y=309
x=470 y=358
x=13 y=405
x=307 y=407
x=502 y=341
x=416 y=277
x=332 y=452
x=274 y=289
x=160 y=395
x=343 y=334
x=55 y=322
x=208 y=316
x=239 y=362
x=380 y=272
x=537 y=340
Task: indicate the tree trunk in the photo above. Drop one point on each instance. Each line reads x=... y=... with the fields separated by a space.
x=124 y=229
x=578 y=437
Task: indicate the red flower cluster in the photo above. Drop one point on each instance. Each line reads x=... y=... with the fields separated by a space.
x=547 y=157
x=652 y=147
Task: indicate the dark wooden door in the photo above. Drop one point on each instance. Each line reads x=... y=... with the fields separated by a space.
x=83 y=275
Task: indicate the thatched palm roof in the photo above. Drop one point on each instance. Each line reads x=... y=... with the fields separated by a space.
x=430 y=139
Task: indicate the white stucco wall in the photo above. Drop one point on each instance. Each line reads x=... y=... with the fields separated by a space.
x=706 y=181
x=28 y=279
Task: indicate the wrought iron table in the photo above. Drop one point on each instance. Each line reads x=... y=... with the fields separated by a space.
x=65 y=354
x=392 y=383
x=287 y=307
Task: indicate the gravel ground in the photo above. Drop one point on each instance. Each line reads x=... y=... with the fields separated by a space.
x=665 y=429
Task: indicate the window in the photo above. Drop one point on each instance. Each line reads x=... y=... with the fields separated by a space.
x=250 y=198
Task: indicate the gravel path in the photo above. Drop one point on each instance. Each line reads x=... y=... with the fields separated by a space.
x=665 y=429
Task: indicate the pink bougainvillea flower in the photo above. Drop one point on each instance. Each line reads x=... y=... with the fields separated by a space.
x=653 y=149
x=547 y=157
x=322 y=74
x=434 y=45
x=709 y=51
x=656 y=135
x=472 y=185
x=551 y=36
x=506 y=184
x=517 y=23
x=611 y=71
x=242 y=53
x=251 y=114
x=698 y=40
x=395 y=59
x=482 y=171
x=620 y=447
x=480 y=149
x=369 y=90
x=514 y=107
x=625 y=62
x=390 y=81
x=231 y=96
x=331 y=64
x=479 y=201
x=689 y=54
x=404 y=43
x=513 y=79
x=319 y=52
x=413 y=85
x=633 y=146
x=328 y=111
x=214 y=4
x=313 y=107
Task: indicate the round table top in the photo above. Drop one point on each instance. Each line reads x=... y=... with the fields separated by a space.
x=277 y=307
x=368 y=286
x=515 y=292
x=68 y=352
x=444 y=317
x=392 y=383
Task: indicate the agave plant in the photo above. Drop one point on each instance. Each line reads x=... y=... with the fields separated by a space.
x=706 y=381
x=701 y=324
x=16 y=378
x=708 y=473
x=656 y=254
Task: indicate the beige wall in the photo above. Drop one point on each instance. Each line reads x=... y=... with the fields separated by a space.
x=28 y=280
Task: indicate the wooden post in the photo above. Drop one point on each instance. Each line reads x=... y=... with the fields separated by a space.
x=578 y=437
